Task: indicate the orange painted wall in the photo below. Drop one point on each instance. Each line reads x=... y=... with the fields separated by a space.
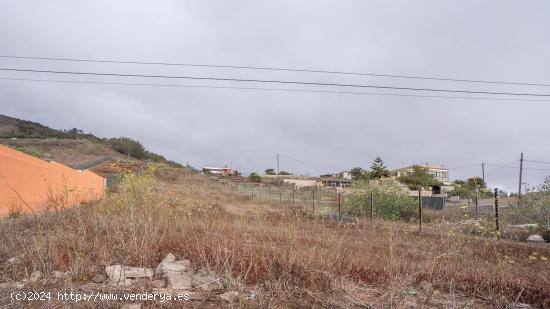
x=37 y=182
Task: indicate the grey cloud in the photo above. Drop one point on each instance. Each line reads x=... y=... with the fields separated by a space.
x=496 y=40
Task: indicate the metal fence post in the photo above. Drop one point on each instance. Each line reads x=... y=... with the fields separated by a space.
x=313 y=199
x=371 y=206
x=293 y=194
x=496 y=214
x=420 y=209
x=339 y=206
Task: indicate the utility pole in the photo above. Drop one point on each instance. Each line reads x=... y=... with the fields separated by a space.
x=278 y=164
x=483 y=171
x=520 y=177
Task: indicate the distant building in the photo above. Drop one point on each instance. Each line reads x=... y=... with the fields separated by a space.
x=223 y=171
x=333 y=182
x=292 y=180
x=439 y=172
x=337 y=180
x=301 y=183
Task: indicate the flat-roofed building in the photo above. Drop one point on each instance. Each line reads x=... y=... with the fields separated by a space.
x=224 y=171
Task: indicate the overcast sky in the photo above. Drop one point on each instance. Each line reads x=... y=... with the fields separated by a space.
x=489 y=40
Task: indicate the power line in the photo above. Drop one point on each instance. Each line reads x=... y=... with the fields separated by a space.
x=273 y=81
x=464 y=166
x=310 y=163
x=279 y=69
x=500 y=165
x=272 y=89
x=259 y=165
x=515 y=167
x=539 y=162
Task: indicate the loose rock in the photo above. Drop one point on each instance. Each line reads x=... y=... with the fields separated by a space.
x=178 y=273
x=535 y=238
x=168 y=259
x=119 y=274
x=13 y=260
x=229 y=296
x=206 y=282
x=99 y=278
x=37 y=274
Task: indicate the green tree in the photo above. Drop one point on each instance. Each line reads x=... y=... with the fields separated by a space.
x=392 y=201
x=284 y=173
x=419 y=178
x=270 y=171
x=476 y=181
x=378 y=169
x=254 y=177
x=472 y=187
x=236 y=173
x=357 y=173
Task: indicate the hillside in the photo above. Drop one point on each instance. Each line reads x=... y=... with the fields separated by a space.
x=73 y=147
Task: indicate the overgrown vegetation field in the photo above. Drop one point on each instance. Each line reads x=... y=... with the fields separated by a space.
x=288 y=258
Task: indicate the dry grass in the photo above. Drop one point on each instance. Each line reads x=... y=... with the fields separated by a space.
x=289 y=259
x=65 y=151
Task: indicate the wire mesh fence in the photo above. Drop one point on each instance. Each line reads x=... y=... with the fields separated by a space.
x=315 y=200
x=348 y=205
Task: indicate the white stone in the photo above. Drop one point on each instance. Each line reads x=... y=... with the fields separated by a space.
x=170 y=258
x=178 y=273
x=251 y=296
x=526 y=226
x=13 y=260
x=11 y=285
x=206 y=282
x=178 y=280
x=229 y=296
x=37 y=274
x=535 y=238
x=61 y=275
x=121 y=274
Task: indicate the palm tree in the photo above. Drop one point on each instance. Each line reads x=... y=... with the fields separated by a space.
x=357 y=173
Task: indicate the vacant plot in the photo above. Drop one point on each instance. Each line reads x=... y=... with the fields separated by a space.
x=286 y=258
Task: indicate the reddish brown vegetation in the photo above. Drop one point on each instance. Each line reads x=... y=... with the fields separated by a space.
x=283 y=254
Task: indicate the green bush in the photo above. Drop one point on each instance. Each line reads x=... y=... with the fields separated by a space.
x=128 y=147
x=391 y=200
x=254 y=177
